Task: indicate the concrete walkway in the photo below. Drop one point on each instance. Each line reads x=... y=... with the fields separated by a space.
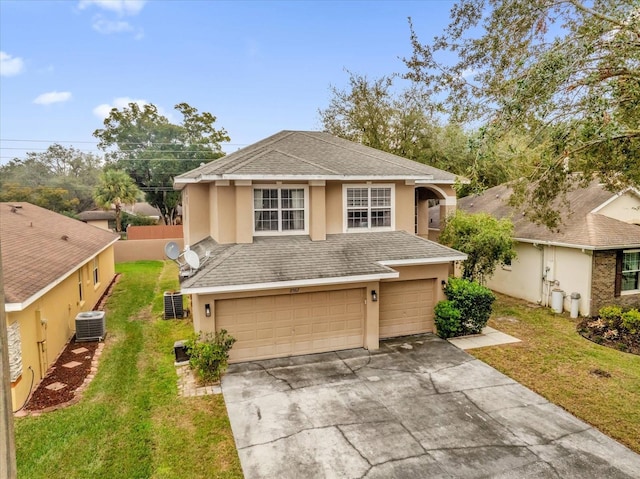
x=489 y=337
x=418 y=407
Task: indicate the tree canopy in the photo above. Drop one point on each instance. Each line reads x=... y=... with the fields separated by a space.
x=564 y=74
x=152 y=150
x=486 y=240
x=60 y=179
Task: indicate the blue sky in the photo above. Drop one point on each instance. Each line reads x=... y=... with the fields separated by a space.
x=258 y=66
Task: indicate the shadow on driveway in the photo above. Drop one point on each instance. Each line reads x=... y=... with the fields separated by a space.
x=417 y=407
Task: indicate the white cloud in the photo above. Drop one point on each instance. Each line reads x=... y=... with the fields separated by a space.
x=121 y=7
x=10 y=66
x=469 y=72
x=53 y=97
x=106 y=27
x=102 y=111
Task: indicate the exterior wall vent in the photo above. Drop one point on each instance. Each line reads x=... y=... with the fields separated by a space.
x=90 y=326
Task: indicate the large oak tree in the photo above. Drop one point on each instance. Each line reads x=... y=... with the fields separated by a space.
x=564 y=73
x=152 y=150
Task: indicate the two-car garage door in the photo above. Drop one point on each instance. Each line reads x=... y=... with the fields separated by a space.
x=293 y=324
x=305 y=323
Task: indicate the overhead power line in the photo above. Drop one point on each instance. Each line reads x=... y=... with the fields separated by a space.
x=96 y=142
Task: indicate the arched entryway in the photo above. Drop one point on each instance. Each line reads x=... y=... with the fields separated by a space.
x=431 y=204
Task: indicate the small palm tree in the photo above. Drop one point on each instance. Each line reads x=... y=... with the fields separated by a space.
x=115 y=187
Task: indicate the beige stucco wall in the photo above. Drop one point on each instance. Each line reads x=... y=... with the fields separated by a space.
x=137 y=250
x=58 y=308
x=569 y=270
x=624 y=208
x=102 y=224
x=224 y=209
x=195 y=213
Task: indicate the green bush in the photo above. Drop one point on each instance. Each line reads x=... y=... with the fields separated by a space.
x=474 y=302
x=611 y=315
x=631 y=321
x=209 y=354
x=447 y=319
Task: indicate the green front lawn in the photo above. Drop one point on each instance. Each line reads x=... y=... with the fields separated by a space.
x=597 y=384
x=130 y=422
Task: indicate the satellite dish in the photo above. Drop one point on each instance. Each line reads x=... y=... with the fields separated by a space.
x=172 y=250
x=192 y=259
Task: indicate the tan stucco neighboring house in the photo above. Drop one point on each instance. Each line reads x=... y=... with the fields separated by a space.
x=595 y=252
x=54 y=267
x=308 y=243
x=103 y=219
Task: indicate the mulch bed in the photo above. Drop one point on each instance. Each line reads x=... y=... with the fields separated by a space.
x=621 y=340
x=73 y=378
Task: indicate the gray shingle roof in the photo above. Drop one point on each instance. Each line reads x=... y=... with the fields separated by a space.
x=39 y=247
x=580 y=227
x=312 y=155
x=290 y=259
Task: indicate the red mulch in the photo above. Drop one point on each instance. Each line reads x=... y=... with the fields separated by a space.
x=44 y=398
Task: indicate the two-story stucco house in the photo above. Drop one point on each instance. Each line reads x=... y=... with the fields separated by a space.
x=308 y=244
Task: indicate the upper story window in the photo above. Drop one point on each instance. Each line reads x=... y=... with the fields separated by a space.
x=280 y=210
x=368 y=207
x=631 y=270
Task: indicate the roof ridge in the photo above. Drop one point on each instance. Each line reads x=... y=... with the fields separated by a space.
x=381 y=157
x=307 y=161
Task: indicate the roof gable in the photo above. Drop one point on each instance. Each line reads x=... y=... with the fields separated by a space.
x=40 y=247
x=312 y=155
x=580 y=227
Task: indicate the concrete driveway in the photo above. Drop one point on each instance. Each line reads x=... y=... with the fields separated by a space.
x=418 y=407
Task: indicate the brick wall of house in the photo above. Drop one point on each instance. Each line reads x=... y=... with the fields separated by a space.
x=603 y=284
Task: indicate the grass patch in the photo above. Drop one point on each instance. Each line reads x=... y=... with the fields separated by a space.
x=131 y=422
x=599 y=385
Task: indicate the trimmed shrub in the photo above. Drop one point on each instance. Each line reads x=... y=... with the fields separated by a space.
x=611 y=315
x=447 y=319
x=209 y=354
x=474 y=302
x=631 y=321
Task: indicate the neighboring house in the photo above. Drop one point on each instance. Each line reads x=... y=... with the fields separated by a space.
x=144 y=209
x=595 y=252
x=104 y=219
x=54 y=267
x=307 y=244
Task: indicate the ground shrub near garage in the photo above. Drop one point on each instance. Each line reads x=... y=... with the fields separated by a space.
x=465 y=311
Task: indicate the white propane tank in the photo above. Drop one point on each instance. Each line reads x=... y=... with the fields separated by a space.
x=557 y=300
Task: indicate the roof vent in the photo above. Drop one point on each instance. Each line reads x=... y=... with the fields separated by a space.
x=64 y=237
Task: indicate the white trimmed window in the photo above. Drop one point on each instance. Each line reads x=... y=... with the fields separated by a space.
x=368 y=207
x=631 y=271
x=80 y=286
x=280 y=210
x=96 y=272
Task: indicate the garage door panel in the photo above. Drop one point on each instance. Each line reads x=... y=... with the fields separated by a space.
x=406 y=307
x=292 y=324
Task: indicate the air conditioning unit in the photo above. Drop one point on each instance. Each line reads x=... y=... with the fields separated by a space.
x=90 y=326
